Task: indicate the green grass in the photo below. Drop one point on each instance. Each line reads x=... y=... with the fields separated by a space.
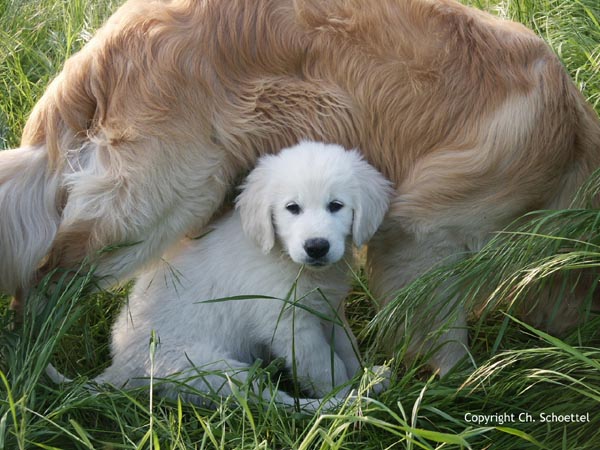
x=519 y=369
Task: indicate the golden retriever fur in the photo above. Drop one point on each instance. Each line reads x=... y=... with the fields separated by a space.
x=143 y=132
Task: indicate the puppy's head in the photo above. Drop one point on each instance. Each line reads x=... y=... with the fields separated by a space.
x=312 y=196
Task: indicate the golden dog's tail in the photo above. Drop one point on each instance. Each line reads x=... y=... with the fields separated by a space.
x=30 y=212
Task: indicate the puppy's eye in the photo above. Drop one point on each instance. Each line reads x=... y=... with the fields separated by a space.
x=293 y=208
x=335 y=206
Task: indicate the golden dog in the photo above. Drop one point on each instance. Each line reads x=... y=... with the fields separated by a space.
x=144 y=131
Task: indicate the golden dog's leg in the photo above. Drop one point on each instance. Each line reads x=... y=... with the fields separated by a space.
x=394 y=260
x=17 y=304
x=130 y=201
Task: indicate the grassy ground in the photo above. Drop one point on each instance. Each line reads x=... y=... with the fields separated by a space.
x=520 y=371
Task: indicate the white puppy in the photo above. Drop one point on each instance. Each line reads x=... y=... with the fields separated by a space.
x=286 y=240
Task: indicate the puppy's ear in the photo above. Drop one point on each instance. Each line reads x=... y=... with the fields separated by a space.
x=255 y=209
x=372 y=197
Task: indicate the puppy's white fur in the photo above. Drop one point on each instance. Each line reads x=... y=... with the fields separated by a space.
x=198 y=338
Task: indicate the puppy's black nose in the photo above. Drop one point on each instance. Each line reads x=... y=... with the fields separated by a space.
x=316 y=248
